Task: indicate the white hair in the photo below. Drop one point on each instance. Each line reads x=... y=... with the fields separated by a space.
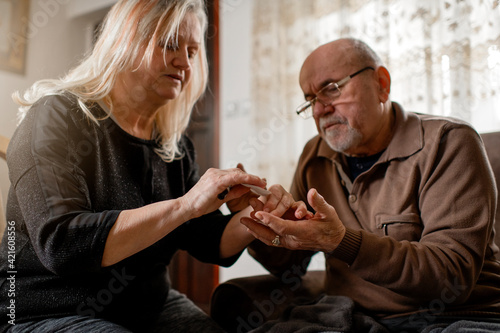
x=129 y=26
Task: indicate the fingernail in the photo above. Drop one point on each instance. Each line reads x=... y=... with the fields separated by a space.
x=319 y=195
x=259 y=216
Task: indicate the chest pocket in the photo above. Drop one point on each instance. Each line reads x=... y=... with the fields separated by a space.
x=400 y=227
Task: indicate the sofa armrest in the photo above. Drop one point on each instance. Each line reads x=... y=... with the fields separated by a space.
x=241 y=304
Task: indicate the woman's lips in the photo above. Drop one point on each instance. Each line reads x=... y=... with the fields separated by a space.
x=175 y=77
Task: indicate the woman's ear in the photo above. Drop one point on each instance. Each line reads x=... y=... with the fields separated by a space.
x=384 y=79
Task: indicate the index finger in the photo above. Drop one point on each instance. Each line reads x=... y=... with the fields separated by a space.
x=237 y=176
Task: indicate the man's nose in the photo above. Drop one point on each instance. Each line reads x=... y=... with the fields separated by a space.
x=321 y=108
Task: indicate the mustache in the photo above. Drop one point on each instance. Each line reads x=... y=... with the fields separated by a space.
x=332 y=120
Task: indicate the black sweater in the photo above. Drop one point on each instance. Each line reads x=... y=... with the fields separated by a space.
x=70 y=178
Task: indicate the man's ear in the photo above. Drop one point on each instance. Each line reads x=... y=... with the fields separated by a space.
x=384 y=79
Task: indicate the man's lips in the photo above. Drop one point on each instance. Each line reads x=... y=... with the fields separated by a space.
x=331 y=121
x=328 y=126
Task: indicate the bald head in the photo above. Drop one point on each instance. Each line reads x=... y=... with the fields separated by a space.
x=341 y=53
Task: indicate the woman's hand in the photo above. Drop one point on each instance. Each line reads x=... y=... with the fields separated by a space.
x=158 y=219
x=240 y=203
x=204 y=197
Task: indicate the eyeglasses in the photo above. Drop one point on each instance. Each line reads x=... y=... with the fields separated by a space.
x=326 y=95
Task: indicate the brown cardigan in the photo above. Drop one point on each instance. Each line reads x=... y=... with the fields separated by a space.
x=419 y=222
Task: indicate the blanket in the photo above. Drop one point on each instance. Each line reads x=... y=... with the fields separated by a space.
x=330 y=314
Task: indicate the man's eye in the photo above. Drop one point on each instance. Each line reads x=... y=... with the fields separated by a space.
x=329 y=90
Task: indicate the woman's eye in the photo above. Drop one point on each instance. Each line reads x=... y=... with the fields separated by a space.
x=172 y=47
x=169 y=46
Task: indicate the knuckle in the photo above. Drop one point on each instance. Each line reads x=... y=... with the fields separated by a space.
x=298 y=244
x=286 y=203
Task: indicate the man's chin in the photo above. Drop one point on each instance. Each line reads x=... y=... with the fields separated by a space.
x=339 y=147
x=340 y=142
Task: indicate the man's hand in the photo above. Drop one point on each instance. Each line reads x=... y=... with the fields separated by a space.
x=322 y=232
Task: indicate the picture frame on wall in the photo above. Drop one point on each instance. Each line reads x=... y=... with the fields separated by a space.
x=14 y=20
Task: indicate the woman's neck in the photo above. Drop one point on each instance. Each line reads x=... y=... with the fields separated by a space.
x=135 y=117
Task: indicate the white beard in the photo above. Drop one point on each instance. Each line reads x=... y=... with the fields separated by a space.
x=340 y=139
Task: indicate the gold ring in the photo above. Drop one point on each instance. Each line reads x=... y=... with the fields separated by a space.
x=276 y=241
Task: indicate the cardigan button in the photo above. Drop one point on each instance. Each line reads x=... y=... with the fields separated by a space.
x=352 y=198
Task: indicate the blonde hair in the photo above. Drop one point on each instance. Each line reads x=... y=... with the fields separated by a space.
x=129 y=26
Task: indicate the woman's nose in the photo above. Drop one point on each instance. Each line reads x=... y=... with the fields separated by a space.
x=181 y=60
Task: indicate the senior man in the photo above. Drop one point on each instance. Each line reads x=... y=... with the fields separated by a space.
x=404 y=203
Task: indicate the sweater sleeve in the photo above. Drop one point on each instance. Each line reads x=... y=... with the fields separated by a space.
x=67 y=236
x=202 y=236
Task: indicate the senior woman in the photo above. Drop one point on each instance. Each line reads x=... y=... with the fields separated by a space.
x=105 y=187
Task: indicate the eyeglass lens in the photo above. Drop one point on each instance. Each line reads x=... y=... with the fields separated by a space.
x=326 y=95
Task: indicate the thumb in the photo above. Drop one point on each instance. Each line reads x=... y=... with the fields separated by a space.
x=317 y=202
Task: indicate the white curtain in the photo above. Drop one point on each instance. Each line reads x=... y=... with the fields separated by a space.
x=443 y=56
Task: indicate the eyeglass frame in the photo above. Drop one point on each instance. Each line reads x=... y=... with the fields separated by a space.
x=302 y=108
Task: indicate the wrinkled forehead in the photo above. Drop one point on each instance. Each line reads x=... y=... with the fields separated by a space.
x=190 y=28
x=328 y=62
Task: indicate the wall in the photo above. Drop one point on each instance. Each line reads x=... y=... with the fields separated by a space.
x=236 y=108
x=235 y=60
x=56 y=42
x=79 y=8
